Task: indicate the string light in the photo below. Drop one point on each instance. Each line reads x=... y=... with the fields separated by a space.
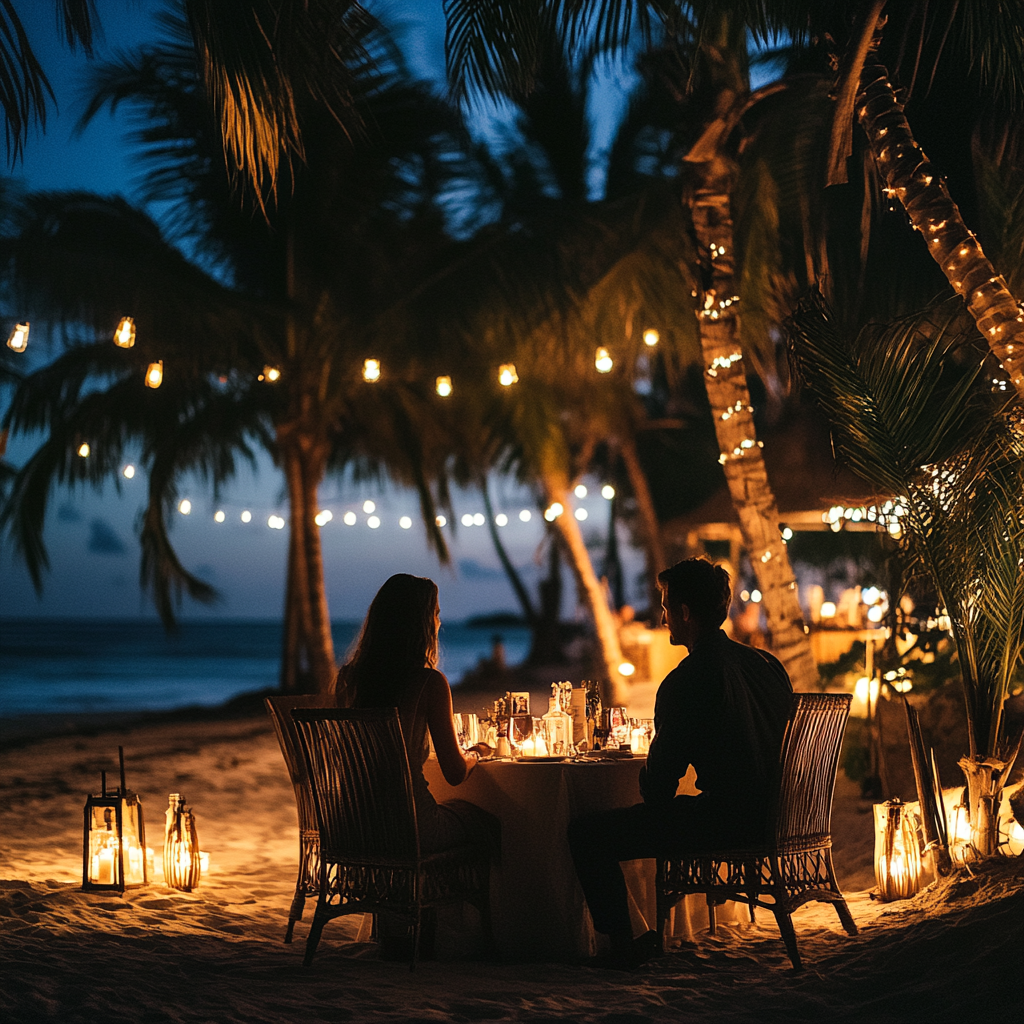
x=525 y=516
x=218 y=516
x=185 y=507
x=17 y=340
x=155 y=374
x=603 y=361
x=124 y=336
x=443 y=386
x=83 y=450
x=723 y=363
x=350 y=519
x=369 y=506
x=607 y=492
x=581 y=514
x=128 y=472
x=651 y=337
x=580 y=490
x=627 y=668
x=501 y=519
x=323 y=517
x=507 y=375
x=371 y=370
x=405 y=523
x=373 y=522
x=467 y=519
x=553 y=511
x=246 y=516
x=440 y=521
x=271 y=374
x=275 y=522
x=479 y=519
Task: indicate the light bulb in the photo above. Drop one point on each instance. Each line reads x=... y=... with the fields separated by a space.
x=17 y=340
x=155 y=374
x=443 y=386
x=651 y=337
x=603 y=361
x=124 y=336
x=371 y=370
x=507 y=375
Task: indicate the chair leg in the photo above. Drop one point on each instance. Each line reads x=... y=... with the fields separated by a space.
x=785 y=922
x=295 y=913
x=845 y=917
x=313 y=939
x=753 y=917
x=712 y=923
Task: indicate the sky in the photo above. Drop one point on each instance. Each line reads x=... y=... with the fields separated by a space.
x=91 y=537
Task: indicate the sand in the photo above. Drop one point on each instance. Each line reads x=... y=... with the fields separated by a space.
x=953 y=953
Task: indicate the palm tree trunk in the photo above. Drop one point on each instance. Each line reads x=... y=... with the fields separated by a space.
x=911 y=178
x=732 y=411
x=303 y=462
x=649 y=525
x=617 y=690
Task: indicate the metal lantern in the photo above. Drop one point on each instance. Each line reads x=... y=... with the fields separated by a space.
x=897 y=853
x=182 y=866
x=114 y=847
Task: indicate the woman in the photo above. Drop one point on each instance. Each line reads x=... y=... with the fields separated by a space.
x=394 y=666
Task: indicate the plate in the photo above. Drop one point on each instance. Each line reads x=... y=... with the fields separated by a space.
x=549 y=758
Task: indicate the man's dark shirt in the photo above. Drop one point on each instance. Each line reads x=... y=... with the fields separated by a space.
x=723 y=710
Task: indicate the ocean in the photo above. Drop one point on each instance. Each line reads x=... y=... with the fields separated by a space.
x=64 y=666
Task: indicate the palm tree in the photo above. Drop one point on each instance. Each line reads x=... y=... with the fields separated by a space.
x=315 y=287
x=492 y=52
x=913 y=416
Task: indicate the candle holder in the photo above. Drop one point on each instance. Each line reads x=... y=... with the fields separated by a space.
x=182 y=863
x=114 y=843
x=897 y=853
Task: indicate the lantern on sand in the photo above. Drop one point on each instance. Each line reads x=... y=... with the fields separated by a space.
x=897 y=854
x=182 y=866
x=114 y=847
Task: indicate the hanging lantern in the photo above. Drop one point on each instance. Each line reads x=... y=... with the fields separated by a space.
x=507 y=375
x=182 y=865
x=114 y=845
x=443 y=386
x=603 y=361
x=124 y=336
x=17 y=340
x=897 y=853
x=155 y=374
x=651 y=337
x=371 y=370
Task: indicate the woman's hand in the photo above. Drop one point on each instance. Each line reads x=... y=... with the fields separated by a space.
x=482 y=749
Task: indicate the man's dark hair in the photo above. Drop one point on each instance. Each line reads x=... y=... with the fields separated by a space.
x=702 y=586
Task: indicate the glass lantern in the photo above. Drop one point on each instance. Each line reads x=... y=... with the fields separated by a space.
x=114 y=845
x=182 y=864
x=897 y=853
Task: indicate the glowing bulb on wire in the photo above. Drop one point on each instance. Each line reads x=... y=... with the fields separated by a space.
x=17 y=340
x=124 y=336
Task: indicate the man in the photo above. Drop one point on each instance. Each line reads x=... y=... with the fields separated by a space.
x=723 y=710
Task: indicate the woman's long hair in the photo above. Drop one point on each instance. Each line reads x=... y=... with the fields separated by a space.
x=398 y=638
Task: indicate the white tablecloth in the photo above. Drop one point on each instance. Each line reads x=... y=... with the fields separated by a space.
x=538 y=907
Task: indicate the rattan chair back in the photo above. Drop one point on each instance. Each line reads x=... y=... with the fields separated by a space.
x=362 y=787
x=808 y=764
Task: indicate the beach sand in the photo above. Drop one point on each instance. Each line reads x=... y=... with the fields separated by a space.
x=953 y=953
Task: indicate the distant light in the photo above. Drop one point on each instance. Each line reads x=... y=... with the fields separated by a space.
x=651 y=337
x=870 y=595
x=501 y=519
x=405 y=523
x=581 y=514
x=350 y=519
x=275 y=523
x=246 y=516
x=185 y=507
x=443 y=386
x=507 y=375
x=875 y=613
x=128 y=472
x=369 y=506
x=467 y=519
x=755 y=596
x=124 y=336
x=603 y=361
x=218 y=516
x=627 y=668
x=580 y=491
x=440 y=521
x=83 y=450
x=323 y=517
x=155 y=374
x=17 y=340
x=271 y=374
x=744 y=595
x=479 y=519
x=525 y=516
x=371 y=370
x=553 y=511
x=608 y=492
x=828 y=610
x=373 y=522
x=787 y=533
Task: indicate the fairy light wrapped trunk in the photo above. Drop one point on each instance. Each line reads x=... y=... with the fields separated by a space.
x=182 y=864
x=114 y=842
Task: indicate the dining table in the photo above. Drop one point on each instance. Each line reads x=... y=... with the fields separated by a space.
x=537 y=905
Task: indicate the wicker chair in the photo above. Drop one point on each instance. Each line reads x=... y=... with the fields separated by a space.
x=369 y=839
x=794 y=864
x=308 y=882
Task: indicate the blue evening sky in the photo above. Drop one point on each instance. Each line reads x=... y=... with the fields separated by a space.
x=92 y=537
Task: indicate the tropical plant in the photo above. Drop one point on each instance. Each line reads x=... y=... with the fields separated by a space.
x=496 y=51
x=915 y=415
x=316 y=286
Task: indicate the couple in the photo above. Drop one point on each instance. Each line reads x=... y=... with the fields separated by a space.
x=723 y=710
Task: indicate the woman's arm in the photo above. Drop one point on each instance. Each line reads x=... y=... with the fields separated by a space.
x=455 y=765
